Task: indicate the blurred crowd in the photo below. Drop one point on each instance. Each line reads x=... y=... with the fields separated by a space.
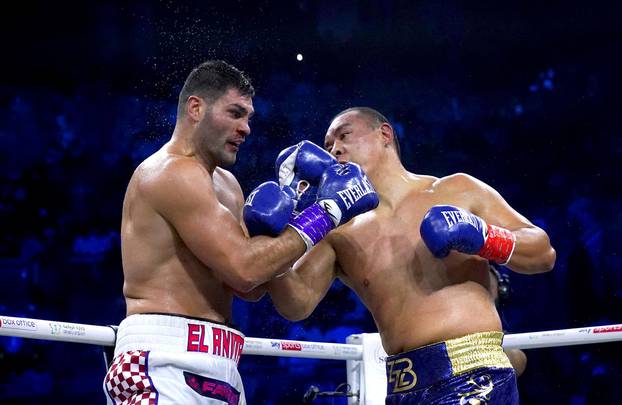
x=549 y=145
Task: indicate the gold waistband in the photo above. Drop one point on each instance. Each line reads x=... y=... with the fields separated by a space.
x=476 y=350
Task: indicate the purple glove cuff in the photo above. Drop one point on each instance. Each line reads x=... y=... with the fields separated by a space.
x=312 y=224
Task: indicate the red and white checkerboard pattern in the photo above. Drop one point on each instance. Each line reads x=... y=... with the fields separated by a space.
x=127 y=381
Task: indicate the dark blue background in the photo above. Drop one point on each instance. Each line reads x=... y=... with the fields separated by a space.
x=523 y=95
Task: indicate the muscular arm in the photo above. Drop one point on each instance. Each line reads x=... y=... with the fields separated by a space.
x=298 y=292
x=533 y=252
x=184 y=195
x=256 y=293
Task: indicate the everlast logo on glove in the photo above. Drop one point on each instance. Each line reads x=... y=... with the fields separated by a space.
x=250 y=198
x=454 y=217
x=343 y=193
x=351 y=195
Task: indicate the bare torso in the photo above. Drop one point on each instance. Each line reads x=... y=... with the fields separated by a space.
x=414 y=298
x=161 y=273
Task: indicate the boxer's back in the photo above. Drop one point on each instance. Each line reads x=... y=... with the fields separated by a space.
x=415 y=299
x=161 y=273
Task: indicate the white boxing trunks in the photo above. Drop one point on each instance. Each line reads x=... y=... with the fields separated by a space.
x=171 y=359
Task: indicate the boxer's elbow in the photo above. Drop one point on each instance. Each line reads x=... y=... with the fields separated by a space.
x=548 y=261
x=548 y=256
x=293 y=306
x=537 y=255
x=303 y=310
x=536 y=264
x=242 y=277
x=293 y=312
x=243 y=284
x=252 y=296
x=544 y=262
x=251 y=275
x=518 y=360
x=294 y=317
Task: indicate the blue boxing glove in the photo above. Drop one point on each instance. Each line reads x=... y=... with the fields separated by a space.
x=268 y=209
x=301 y=167
x=445 y=228
x=344 y=192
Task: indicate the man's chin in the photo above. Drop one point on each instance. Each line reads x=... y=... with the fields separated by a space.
x=228 y=161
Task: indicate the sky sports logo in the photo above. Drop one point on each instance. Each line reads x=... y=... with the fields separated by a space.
x=608 y=329
x=20 y=324
x=291 y=346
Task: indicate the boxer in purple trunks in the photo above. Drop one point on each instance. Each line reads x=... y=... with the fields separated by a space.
x=420 y=264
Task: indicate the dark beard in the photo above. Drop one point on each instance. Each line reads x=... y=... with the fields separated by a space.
x=205 y=144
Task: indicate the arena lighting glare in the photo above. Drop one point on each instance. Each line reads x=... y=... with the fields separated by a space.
x=299 y=57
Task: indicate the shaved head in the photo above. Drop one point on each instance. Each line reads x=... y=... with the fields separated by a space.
x=374 y=119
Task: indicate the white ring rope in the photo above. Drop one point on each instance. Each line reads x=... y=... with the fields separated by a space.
x=563 y=337
x=105 y=336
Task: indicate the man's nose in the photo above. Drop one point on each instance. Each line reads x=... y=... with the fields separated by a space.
x=244 y=129
x=337 y=149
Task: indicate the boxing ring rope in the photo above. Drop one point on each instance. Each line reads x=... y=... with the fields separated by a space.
x=105 y=336
x=364 y=355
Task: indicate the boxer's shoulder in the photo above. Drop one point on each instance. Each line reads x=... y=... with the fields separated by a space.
x=178 y=169
x=227 y=178
x=166 y=178
x=228 y=189
x=455 y=183
x=225 y=174
x=422 y=182
x=458 y=189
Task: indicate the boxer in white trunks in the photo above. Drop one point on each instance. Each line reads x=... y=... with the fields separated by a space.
x=186 y=251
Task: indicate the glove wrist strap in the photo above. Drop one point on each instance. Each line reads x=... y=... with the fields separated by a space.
x=499 y=245
x=312 y=224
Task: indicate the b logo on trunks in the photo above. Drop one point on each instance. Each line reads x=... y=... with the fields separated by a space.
x=211 y=388
x=401 y=374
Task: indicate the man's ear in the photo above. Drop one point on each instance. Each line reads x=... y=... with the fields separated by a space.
x=387 y=133
x=194 y=108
